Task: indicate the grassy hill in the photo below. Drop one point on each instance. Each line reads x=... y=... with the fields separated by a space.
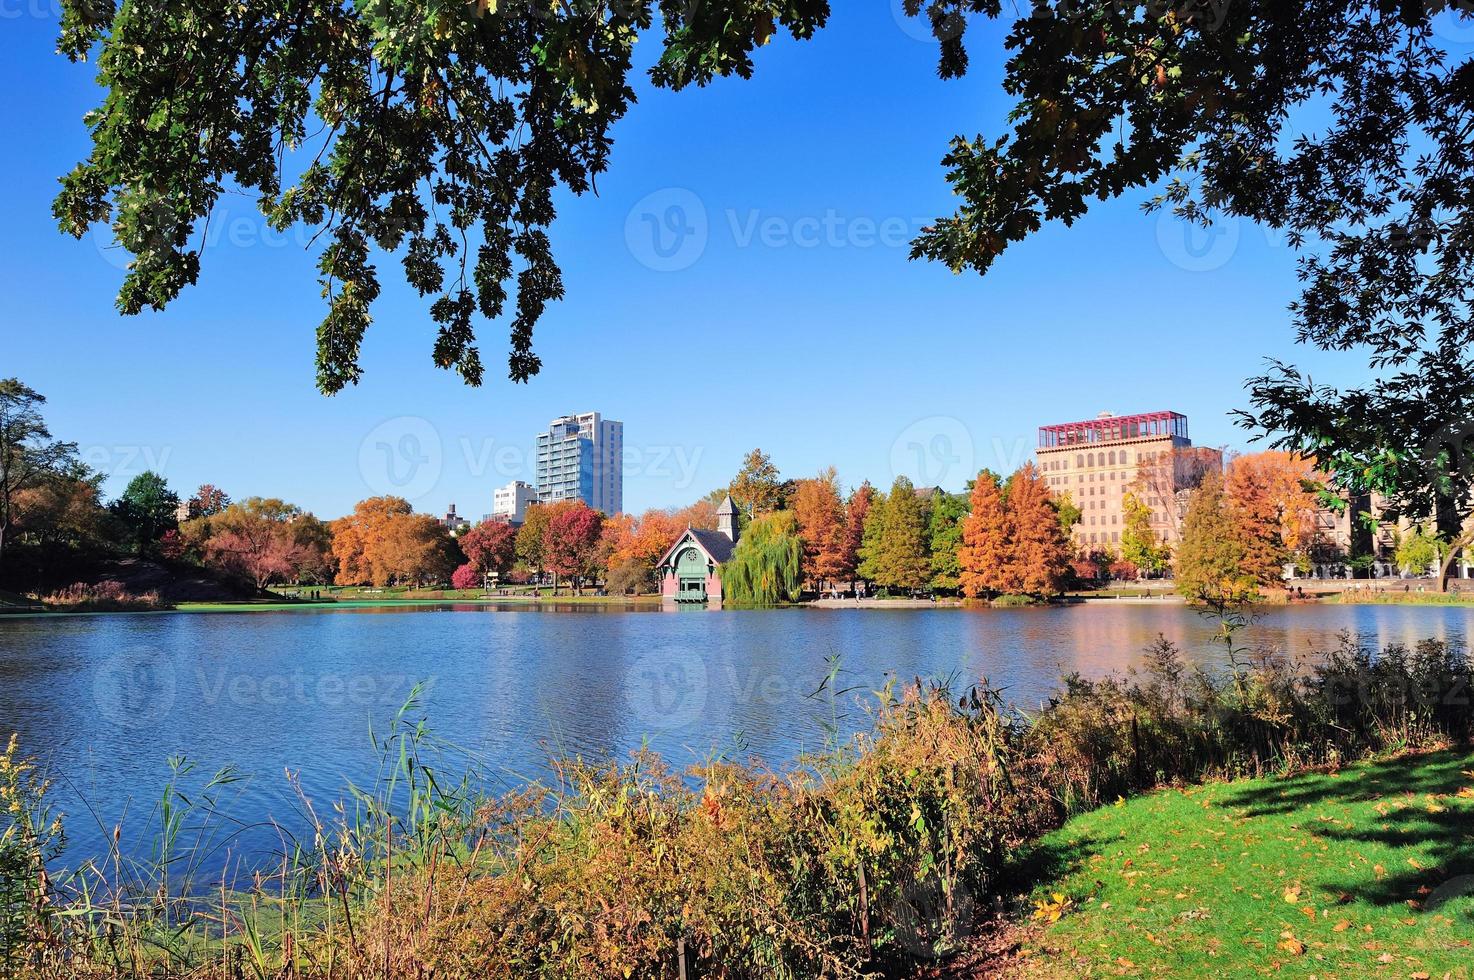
x=1362 y=873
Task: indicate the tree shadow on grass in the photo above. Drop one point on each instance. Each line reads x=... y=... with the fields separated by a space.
x=1439 y=832
x=1435 y=772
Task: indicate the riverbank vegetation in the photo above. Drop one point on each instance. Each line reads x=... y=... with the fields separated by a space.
x=876 y=855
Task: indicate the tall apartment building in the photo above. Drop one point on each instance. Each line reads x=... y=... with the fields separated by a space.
x=1096 y=462
x=509 y=503
x=581 y=457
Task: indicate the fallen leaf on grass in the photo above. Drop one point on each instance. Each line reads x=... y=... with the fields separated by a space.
x=1291 y=945
x=1341 y=926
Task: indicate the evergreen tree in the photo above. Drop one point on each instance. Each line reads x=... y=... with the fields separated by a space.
x=948 y=511
x=1212 y=554
x=896 y=554
x=986 y=542
x=147 y=508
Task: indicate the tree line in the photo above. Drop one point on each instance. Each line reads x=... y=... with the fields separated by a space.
x=1231 y=532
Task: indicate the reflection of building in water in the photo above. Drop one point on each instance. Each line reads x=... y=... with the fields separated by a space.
x=1099 y=461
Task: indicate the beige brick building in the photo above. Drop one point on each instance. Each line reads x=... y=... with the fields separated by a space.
x=1096 y=462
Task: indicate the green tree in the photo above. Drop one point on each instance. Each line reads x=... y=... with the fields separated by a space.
x=28 y=454
x=1418 y=551
x=756 y=489
x=146 y=508
x=1212 y=554
x=766 y=567
x=894 y=555
x=945 y=536
x=1139 y=544
x=439 y=132
x=1069 y=512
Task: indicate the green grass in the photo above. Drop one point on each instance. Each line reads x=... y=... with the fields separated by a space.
x=1328 y=875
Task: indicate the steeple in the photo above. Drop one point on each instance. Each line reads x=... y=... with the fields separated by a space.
x=727 y=519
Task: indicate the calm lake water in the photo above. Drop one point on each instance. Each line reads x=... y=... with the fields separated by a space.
x=106 y=700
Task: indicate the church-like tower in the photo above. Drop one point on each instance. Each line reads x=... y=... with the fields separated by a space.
x=727 y=519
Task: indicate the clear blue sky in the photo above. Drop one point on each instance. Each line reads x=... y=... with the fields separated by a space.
x=799 y=325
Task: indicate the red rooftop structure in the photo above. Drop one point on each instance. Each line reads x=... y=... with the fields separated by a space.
x=1114 y=428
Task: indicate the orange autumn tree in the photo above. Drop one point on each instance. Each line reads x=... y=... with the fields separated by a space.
x=821 y=527
x=1273 y=498
x=983 y=554
x=384 y=542
x=356 y=535
x=1039 y=554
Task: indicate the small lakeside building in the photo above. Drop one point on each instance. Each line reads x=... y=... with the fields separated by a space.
x=690 y=570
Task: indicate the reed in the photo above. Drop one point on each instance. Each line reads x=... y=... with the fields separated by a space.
x=878 y=853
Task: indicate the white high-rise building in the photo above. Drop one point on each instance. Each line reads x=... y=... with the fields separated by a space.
x=509 y=503
x=581 y=457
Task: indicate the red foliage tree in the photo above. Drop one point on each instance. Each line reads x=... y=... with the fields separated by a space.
x=465 y=577
x=490 y=546
x=855 y=512
x=571 y=542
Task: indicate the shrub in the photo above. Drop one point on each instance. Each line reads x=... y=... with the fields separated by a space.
x=105 y=596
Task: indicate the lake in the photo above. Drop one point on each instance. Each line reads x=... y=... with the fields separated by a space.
x=106 y=700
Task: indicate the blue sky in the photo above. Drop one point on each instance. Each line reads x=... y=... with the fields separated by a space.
x=795 y=322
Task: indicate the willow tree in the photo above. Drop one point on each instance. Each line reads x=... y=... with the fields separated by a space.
x=766 y=567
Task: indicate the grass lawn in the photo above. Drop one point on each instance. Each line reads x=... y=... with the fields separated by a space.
x=1364 y=873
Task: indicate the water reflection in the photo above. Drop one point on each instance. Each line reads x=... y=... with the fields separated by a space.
x=106 y=700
